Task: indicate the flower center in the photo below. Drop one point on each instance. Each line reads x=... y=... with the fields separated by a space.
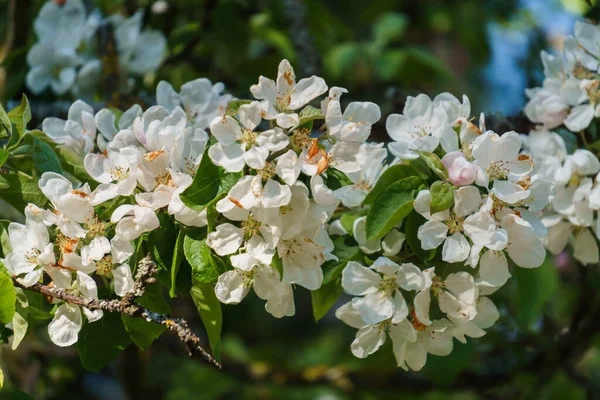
x=248 y=137
x=592 y=91
x=283 y=210
x=267 y=172
x=454 y=223
x=250 y=227
x=32 y=255
x=363 y=185
x=388 y=285
x=118 y=173
x=95 y=227
x=66 y=244
x=496 y=170
x=420 y=131
x=164 y=179
x=105 y=266
x=300 y=139
x=283 y=101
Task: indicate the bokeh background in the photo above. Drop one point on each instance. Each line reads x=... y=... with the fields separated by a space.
x=381 y=51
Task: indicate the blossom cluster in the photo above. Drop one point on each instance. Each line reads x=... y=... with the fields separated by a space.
x=569 y=97
x=66 y=56
x=569 y=94
x=492 y=198
x=430 y=222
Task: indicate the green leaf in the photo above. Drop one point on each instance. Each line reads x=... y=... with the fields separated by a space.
x=444 y=370
x=20 y=326
x=8 y=296
x=395 y=203
x=102 y=341
x=347 y=219
x=5 y=246
x=434 y=163
x=228 y=179
x=73 y=164
x=234 y=106
x=536 y=287
x=176 y=261
x=206 y=267
x=391 y=175
x=1 y=379
x=44 y=157
x=19 y=117
x=209 y=308
x=4 y=183
x=161 y=245
x=411 y=227
x=142 y=332
x=22 y=190
x=325 y=297
x=309 y=113
x=346 y=249
x=388 y=28
x=21 y=317
x=3 y=156
x=204 y=187
x=336 y=179
x=5 y=124
x=442 y=196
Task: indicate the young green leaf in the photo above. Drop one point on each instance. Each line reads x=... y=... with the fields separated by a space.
x=411 y=227
x=73 y=164
x=346 y=249
x=204 y=187
x=209 y=308
x=8 y=296
x=434 y=163
x=442 y=196
x=3 y=156
x=206 y=267
x=4 y=183
x=394 y=203
x=234 y=105
x=44 y=157
x=309 y=113
x=5 y=124
x=19 y=117
x=22 y=190
x=389 y=176
x=178 y=257
x=347 y=219
x=142 y=332
x=102 y=341
x=325 y=297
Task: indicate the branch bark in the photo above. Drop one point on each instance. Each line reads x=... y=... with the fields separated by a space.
x=127 y=306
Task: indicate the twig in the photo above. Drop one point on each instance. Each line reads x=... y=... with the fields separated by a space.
x=128 y=307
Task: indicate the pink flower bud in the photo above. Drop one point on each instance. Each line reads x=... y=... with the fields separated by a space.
x=460 y=171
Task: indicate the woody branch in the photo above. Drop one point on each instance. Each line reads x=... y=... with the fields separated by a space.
x=127 y=306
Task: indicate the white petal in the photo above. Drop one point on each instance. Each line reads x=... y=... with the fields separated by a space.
x=64 y=328
x=123 y=280
x=359 y=280
x=226 y=239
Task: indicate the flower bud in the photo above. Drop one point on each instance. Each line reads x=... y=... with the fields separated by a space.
x=460 y=171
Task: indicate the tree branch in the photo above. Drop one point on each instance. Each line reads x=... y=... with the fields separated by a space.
x=128 y=307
